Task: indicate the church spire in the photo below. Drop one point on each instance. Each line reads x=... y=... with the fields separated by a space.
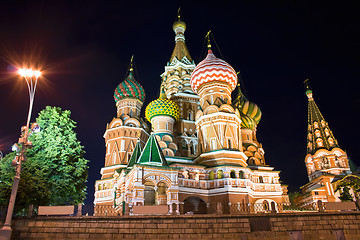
x=319 y=134
x=180 y=50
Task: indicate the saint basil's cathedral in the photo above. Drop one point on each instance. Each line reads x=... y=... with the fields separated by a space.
x=198 y=147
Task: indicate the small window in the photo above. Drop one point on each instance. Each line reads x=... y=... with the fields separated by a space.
x=220 y=174
x=261 y=179
x=232 y=174
x=229 y=142
x=241 y=174
x=192 y=149
x=316 y=193
x=211 y=175
x=266 y=205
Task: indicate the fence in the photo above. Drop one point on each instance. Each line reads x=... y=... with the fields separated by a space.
x=214 y=208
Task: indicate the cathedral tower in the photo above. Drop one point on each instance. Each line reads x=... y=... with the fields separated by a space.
x=123 y=131
x=325 y=161
x=162 y=113
x=176 y=84
x=217 y=122
x=323 y=152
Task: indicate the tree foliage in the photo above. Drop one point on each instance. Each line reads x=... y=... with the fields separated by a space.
x=344 y=185
x=55 y=171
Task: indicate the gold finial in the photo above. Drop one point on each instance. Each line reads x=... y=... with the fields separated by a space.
x=208 y=39
x=131 y=63
x=306 y=83
x=179 y=14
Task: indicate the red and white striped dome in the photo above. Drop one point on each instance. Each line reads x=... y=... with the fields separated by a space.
x=213 y=69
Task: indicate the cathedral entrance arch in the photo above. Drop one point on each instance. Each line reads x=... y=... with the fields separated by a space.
x=195 y=205
x=149 y=194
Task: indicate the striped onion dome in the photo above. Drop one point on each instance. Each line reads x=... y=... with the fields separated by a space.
x=247 y=122
x=252 y=110
x=162 y=106
x=129 y=88
x=213 y=69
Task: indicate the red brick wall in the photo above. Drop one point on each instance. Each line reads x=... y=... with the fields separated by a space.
x=244 y=227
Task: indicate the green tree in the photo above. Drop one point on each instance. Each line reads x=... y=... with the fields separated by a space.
x=349 y=182
x=55 y=171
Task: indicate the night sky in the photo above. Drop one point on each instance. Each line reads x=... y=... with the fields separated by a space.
x=84 y=51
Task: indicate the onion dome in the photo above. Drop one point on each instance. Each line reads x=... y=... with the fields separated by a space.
x=162 y=106
x=252 y=110
x=129 y=88
x=247 y=122
x=213 y=69
x=247 y=107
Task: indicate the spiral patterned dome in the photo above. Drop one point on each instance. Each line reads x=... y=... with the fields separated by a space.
x=162 y=106
x=129 y=88
x=252 y=110
x=247 y=122
x=213 y=69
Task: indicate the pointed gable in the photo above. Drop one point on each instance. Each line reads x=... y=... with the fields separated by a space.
x=136 y=154
x=152 y=154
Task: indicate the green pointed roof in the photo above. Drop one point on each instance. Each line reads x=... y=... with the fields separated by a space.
x=152 y=154
x=136 y=154
x=319 y=134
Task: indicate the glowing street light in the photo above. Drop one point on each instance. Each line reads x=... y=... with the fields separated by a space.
x=31 y=77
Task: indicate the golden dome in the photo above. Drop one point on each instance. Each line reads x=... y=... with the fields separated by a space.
x=179 y=24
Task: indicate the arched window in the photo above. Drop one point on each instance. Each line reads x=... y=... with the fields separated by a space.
x=266 y=205
x=232 y=174
x=192 y=149
x=241 y=174
x=190 y=115
x=167 y=126
x=211 y=175
x=261 y=179
x=131 y=112
x=220 y=174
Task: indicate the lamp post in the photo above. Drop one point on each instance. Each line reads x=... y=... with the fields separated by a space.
x=31 y=77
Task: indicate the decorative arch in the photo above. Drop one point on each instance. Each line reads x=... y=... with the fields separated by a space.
x=166 y=179
x=211 y=109
x=132 y=121
x=226 y=108
x=115 y=122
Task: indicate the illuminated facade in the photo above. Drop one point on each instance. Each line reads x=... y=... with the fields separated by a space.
x=325 y=161
x=202 y=148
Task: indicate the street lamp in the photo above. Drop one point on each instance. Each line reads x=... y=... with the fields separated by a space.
x=31 y=76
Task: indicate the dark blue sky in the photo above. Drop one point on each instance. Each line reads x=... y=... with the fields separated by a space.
x=84 y=50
